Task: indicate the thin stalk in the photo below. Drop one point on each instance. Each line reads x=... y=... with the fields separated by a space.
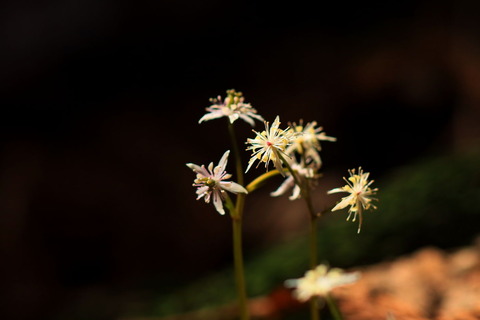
x=305 y=192
x=240 y=201
x=314 y=309
x=238 y=259
x=239 y=269
x=314 y=304
x=237 y=215
x=313 y=228
x=333 y=308
x=236 y=153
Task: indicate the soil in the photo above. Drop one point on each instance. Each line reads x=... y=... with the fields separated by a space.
x=427 y=284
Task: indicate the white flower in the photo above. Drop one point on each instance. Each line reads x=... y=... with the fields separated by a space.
x=308 y=142
x=304 y=173
x=232 y=107
x=210 y=182
x=269 y=143
x=359 y=198
x=320 y=281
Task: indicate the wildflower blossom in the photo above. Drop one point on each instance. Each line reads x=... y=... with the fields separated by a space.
x=359 y=198
x=304 y=173
x=210 y=182
x=232 y=107
x=320 y=281
x=308 y=142
x=268 y=145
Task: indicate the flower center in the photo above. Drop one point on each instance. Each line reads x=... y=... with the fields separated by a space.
x=210 y=182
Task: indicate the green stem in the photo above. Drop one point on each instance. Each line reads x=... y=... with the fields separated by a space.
x=239 y=269
x=314 y=309
x=305 y=191
x=238 y=258
x=313 y=242
x=314 y=306
x=333 y=308
x=238 y=165
x=236 y=153
x=236 y=213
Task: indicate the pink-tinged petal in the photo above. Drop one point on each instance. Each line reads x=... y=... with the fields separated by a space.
x=211 y=116
x=223 y=161
x=201 y=192
x=232 y=187
x=256 y=116
x=198 y=169
x=247 y=119
x=217 y=202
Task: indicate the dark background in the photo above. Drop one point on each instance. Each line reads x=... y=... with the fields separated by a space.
x=99 y=108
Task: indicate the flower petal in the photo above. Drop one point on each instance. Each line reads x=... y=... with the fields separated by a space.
x=224 y=160
x=211 y=116
x=284 y=187
x=343 y=203
x=232 y=187
x=217 y=202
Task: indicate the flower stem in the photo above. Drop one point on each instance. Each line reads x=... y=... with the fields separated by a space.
x=236 y=152
x=238 y=258
x=305 y=192
x=314 y=309
x=333 y=308
x=236 y=214
x=313 y=228
x=314 y=305
x=239 y=269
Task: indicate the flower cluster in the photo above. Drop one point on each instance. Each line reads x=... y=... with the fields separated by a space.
x=304 y=158
x=295 y=154
x=307 y=143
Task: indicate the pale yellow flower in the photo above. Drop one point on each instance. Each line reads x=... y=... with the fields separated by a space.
x=233 y=107
x=305 y=173
x=359 y=198
x=210 y=182
x=269 y=144
x=307 y=143
x=320 y=281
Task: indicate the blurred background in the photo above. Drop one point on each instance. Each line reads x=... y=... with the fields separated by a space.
x=100 y=102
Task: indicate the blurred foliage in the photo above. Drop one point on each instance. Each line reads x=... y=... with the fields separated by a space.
x=433 y=202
